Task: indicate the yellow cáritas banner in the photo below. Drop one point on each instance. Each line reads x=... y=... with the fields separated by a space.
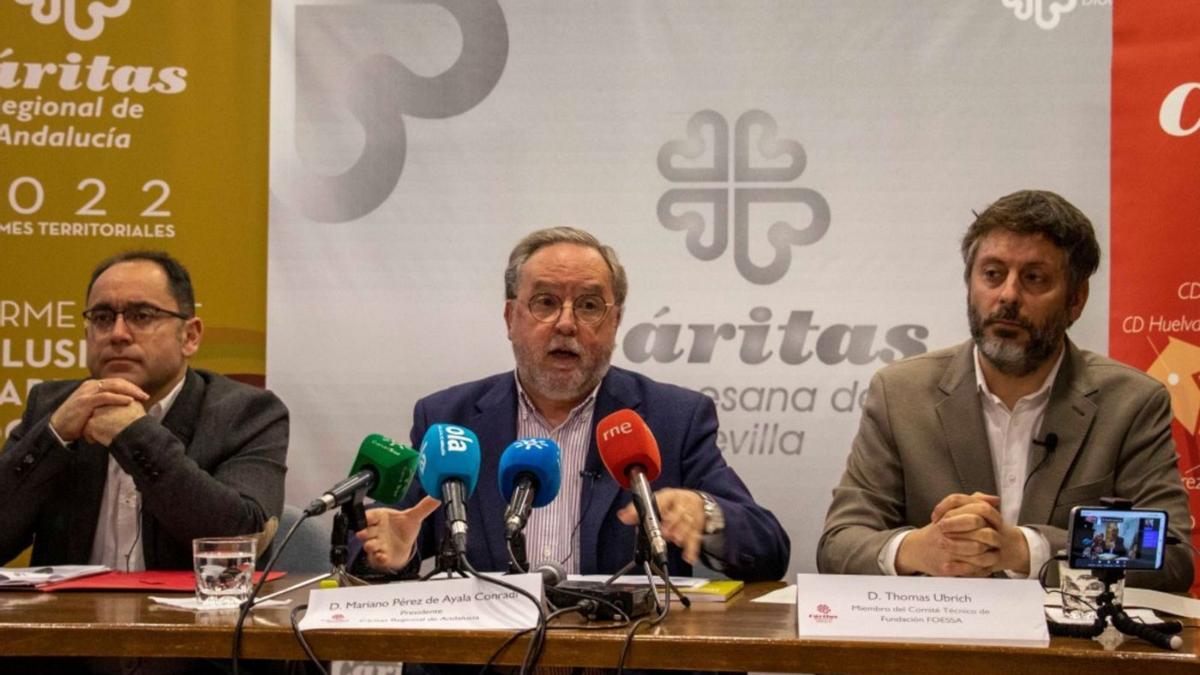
x=130 y=124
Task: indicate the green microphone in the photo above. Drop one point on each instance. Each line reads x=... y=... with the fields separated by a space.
x=382 y=470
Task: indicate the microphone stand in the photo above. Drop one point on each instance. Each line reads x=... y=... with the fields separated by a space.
x=643 y=559
x=449 y=560
x=352 y=512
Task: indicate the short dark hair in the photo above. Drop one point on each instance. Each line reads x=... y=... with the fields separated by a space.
x=536 y=240
x=179 y=282
x=1039 y=212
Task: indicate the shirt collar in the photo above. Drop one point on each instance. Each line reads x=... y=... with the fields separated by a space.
x=159 y=410
x=528 y=408
x=1043 y=391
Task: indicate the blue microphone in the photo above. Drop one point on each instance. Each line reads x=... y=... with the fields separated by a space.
x=448 y=469
x=530 y=474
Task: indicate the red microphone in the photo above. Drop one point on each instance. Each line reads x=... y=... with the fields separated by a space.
x=630 y=454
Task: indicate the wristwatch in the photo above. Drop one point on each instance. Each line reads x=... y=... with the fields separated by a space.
x=714 y=519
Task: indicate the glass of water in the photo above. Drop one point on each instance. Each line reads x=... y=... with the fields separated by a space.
x=1081 y=590
x=224 y=569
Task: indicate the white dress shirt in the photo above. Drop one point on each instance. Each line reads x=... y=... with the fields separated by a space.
x=552 y=533
x=118 y=542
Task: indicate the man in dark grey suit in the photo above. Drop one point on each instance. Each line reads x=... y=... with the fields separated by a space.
x=968 y=460
x=127 y=467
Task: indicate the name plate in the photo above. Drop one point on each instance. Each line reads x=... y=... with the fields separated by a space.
x=447 y=604
x=921 y=609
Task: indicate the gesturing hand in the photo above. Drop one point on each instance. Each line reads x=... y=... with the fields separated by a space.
x=390 y=535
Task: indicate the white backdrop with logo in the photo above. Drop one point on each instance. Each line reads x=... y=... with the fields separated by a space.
x=785 y=181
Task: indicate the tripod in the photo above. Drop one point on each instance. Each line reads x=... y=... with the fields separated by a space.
x=449 y=558
x=643 y=559
x=351 y=518
x=1158 y=634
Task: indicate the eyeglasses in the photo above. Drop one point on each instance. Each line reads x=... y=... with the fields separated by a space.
x=140 y=316
x=588 y=309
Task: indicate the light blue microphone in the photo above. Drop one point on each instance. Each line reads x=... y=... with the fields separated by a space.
x=449 y=469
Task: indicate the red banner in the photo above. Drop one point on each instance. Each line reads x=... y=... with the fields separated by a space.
x=1155 y=289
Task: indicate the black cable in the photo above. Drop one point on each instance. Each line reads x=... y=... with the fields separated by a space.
x=629 y=642
x=593 y=475
x=1172 y=540
x=512 y=556
x=1062 y=594
x=584 y=597
x=650 y=621
x=534 y=651
x=300 y=638
x=1041 y=576
x=549 y=618
x=538 y=637
x=137 y=537
x=466 y=565
x=584 y=607
x=621 y=623
x=248 y=604
x=1161 y=634
x=500 y=650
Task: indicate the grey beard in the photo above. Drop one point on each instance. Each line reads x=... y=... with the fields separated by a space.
x=1011 y=358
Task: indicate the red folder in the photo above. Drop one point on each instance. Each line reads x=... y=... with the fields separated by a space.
x=161 y=581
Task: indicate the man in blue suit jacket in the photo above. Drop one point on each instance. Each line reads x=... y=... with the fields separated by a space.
x=564 y=297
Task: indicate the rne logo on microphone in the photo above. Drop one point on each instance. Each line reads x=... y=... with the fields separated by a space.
x=616 y=430
x=48 y=12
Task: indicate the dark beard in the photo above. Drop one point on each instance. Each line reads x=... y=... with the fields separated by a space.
x=1006 y=355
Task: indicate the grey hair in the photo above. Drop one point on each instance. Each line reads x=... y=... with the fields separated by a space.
x=533 y=241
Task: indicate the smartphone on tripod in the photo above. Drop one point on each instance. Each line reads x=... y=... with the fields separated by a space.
x=1105 y=537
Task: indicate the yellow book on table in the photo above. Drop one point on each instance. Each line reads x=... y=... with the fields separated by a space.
x=717 y=590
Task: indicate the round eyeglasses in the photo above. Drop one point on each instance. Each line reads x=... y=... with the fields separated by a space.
x=140 y=316
x=588 y=309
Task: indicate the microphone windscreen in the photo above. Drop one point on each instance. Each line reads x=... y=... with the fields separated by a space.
x=624 y=441
x=552 y=573
x=448 y=452
x=394 y=465
x=539 y=457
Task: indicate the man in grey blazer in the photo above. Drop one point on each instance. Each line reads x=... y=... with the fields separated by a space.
x=127 y=467
x=968 y=460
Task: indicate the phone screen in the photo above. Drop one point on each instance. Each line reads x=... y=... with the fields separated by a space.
x=1107 y=538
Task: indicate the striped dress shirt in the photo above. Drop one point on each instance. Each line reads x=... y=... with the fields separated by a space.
x=552 y=532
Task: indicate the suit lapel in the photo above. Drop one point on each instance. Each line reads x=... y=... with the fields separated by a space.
x=961 y=417
x=1069 y=415
x=616 y=393
x=495 y=423
x=184 y=414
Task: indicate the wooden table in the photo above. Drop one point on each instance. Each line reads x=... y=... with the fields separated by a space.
x=739 y=635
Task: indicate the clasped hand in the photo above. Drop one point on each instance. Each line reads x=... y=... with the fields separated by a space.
x=966 y=537
x=98 y=410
